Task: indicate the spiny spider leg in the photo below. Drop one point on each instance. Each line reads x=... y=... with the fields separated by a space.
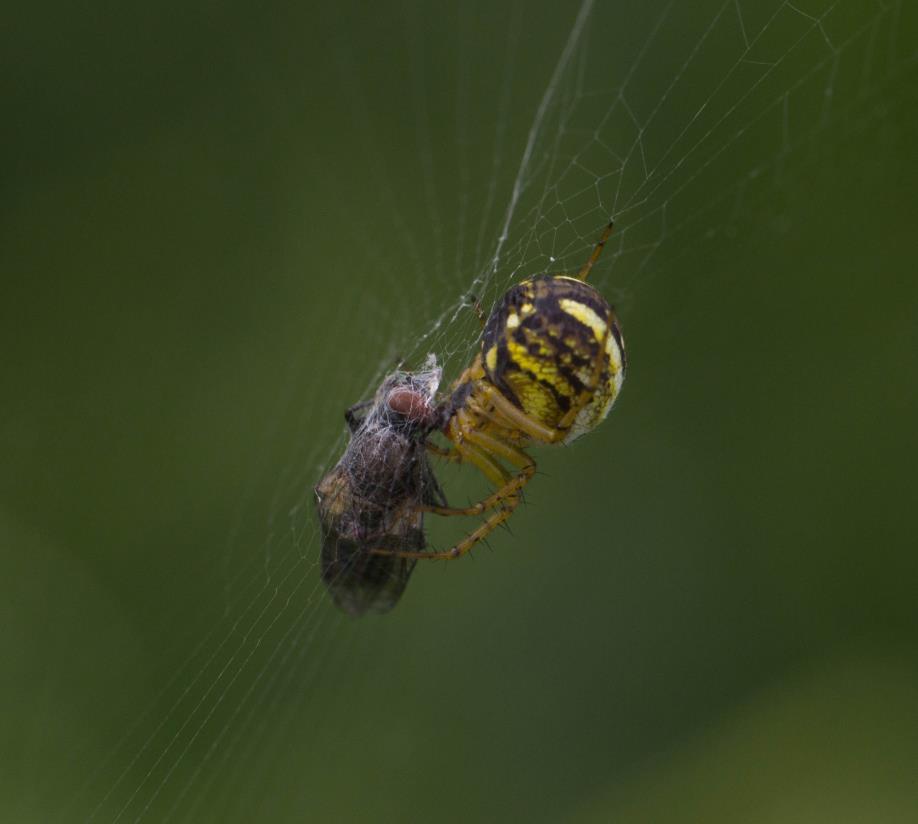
x=479 y=449
x=510 y=500
x=597 y=251
x=447 y=453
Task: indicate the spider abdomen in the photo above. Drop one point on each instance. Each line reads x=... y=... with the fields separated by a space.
x=553 y=347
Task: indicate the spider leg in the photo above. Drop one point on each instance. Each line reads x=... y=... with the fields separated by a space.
x=510 y=499
x=460 y=549
x=475 y=303
x=477 y=449
x=446 y=453
x=518 y=419
x=495 y=446
x=597 y=251
x=351 y=415
x=488 y=467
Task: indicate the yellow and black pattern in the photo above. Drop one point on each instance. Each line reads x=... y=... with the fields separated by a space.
x=553 y=347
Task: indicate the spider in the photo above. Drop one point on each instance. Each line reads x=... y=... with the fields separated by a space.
x=551 y=364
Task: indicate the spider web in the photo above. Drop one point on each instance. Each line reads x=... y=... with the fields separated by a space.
x=683 y=122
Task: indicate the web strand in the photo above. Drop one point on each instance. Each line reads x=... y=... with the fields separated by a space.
x=673 y=172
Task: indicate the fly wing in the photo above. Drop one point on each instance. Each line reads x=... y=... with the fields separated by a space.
x=369 y=501
x=361 y=581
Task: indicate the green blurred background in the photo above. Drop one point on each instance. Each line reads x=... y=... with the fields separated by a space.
x=222 y=223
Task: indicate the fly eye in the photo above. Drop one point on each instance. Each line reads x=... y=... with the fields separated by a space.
x=410 y=405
